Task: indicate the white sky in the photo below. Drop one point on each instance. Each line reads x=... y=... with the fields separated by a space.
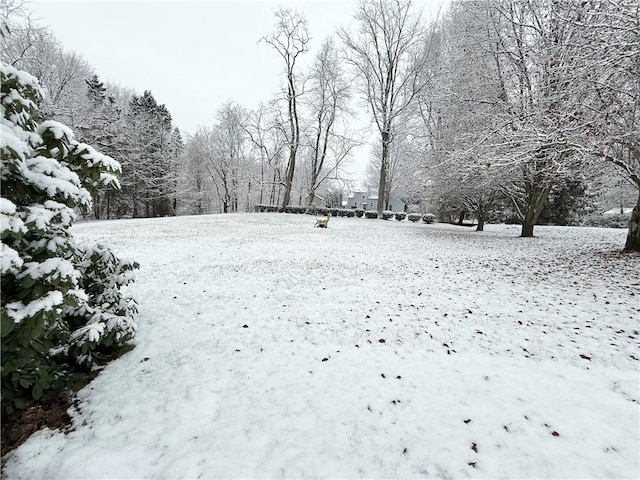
x=193 y=56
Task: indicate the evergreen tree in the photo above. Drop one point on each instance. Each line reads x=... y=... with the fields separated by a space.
x=96 y=91
x=100 y=127
x=176 y=152
x=149 y=176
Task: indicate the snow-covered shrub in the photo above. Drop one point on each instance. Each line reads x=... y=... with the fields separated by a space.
x=295 y=209
x=334 y=212
x=400 y=216
x=371 y=214
x=324 y=211
x=359 y=212
x=429 y=218
x=267 y=208
x=105 y=319
x=46 y=175
x=387 y=214
x=414 y=217
x=312 y=210
x=346 y=212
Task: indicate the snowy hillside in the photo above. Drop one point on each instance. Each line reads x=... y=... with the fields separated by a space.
x=267 y=348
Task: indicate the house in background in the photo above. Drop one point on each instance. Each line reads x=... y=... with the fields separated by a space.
x=367 y=201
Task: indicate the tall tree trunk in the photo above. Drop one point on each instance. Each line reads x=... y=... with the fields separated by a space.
x=382 y=186
x=135 y=200
x=96 y=206
x=289 y=179
x=633 y=236
x=261 y=182
x=536 y=198
x=272 y=198
x=248 y=204
x=480 y=214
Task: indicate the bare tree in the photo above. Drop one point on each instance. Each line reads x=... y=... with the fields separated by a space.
x=267 y=140
x=225 y=147
x=331 y=140
x=290 y=40
x=389 y=53
x=194 y=183
x=404 y=156
x=62 y=74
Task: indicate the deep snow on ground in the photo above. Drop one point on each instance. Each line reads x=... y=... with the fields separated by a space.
x=373 y=349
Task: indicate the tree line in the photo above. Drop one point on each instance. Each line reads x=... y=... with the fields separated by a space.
x=504 y=104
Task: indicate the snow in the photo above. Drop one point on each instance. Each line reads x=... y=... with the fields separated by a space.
x=94 y=158
x=52 y=269
x=18 y=116
x=50 y=176
x=9 y=221
x=10 y=261
x=42 y=216
x=12 y=144
x=57 y=129
x=24 y=78
x=18 y=311
x=259 y=354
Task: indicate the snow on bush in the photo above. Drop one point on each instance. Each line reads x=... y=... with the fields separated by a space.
x=46 y=175
x=429 y=218
x=105 y=318
x=346 y=212
x=359 y=212
x=387 y=214
x=371 y=214
x=414 y=217
x=400 y=216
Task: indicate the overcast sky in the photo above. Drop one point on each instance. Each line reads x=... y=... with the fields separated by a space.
x=193 y=56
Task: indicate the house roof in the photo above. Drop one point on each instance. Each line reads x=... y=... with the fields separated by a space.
x=371 y=197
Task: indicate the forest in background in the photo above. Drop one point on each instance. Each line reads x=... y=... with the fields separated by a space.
x=501 y=110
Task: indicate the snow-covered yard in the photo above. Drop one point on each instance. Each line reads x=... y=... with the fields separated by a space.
x=270 y=349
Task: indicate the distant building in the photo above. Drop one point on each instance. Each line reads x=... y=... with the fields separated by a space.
x=367 y=201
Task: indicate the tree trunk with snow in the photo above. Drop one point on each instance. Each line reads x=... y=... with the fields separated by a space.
x=290 y=39
x=633 y=235
x=382 y=185
x=536 y=198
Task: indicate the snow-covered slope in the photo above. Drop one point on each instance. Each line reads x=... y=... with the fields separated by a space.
x=270 y=349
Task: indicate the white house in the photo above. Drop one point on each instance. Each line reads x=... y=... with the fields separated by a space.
x=367 y=201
